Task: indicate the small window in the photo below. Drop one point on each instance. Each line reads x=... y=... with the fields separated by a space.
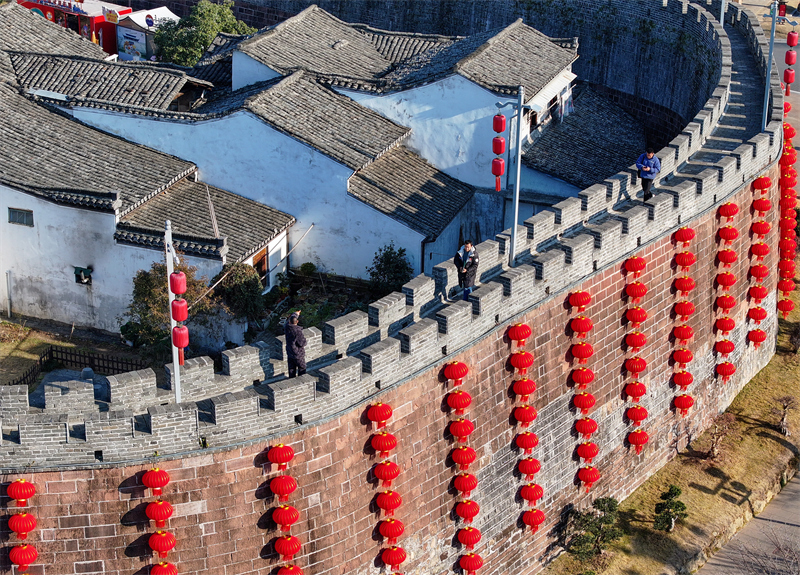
x=21 y=217
x=83 y=276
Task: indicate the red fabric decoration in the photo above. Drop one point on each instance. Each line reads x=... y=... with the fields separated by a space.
x=456 y=371
x=683 y=379
x=388 y=501
x=459 y=401
x=164 y=568
x=636 y=316
x=155 y=479
x=463 y=457
x=287 y=546
x=526 y=441
x=531 y=493
x=283 y=486
x=519 y=333
x=533 y=519
x=22 y=524
x=391 y=529
x=635 y=365
x=757 y=292
x=383 y=443
x=785 y=306
x=465 y=483
x=760 y=250
x=21 y=491
x=581 y=325
x=759 y=271
x=684 y=235
x=162 y=542
x=584 y=401
x=386 y=471
x=727 y=257
x=523 y=388
x=379 y=413
x=786 y=274
x=726 y=280
x=728 y=234
x=529 y=467
x=682 y=356
x=788 y=223
x=635 y=390
x=281 y=455
x=636 y=340
x=787 y=203
x=159 y=511
x=724 y=347
x=290 y=570
x=726 y=302
x=580 y=299
x=582 y=377
x=461 y=429
x=525 y=414
x=757 y=314
x=683 y=403
x=684 y=310
x=786 y=265
x=469 y=537
x=728 y=210
x=393 y=557
x=467 y=510
x=587 y=451
x=762 y=205
x=726 y=370
x=586 y=426
x=684 y=285
x=635 y=265
x=582 y=351
x=22 y=556
x=786 y=286
x=637 y=414
x=638 y=438
x=683 y=333
x=761 y=228
x=588 y=476
x=636 y=290
x=470 y=563
x=521 y=360
x=757 y=336
x=685 y=259
x=285 y=516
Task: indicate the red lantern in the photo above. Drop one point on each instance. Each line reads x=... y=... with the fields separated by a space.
x=788 y=181
x=531 y=493
x=787 y=266
x=684 y=235
x=180 y=339
x=461 y=429
x=582 y=377
x=636 y=290
x=533 y=519
x=584 y=401
x=787 y=255
x=526 y=441
x=684 y=310
x=636 y=340
x=638 y=438
x=283 y=486
x=22 y=556
x=683 y=333
x=762 y=205
x=499 y=123
x=388 y=501
x=757 y=336
x=529 y=467
x=383 y=443
x=580 y=299
x=761 y=228
x=155 y=479
x=788 y=130
x=788 y=223
x=164 y=568
x=762 y=183
x=728 y=210
x=285 y=516
x=287 y=546
x=791 y=55
x=788 y=193
x=759 y=271
x=162 y=542
x=498 y=169
x=760 y=250
x=465 y=483
x=456 y=371
x=682 y=356
x=22 y=524
x=498 y=145
x=728 y=234
x=280 y=455
x=726 y=302
x=683 y=379
x=588 y=476
x=788 y=158
x=469 y=537
x=788 y=76
x=785 y=306
x=391 y=529
x=788 y=204
x=459 y=401
x=581 y=325
x=587 y=451
x=290 y=570
x=393 y=557
x=177 y=283
x=635 y=365
x=757 y=314
x=521 y=360
x=463 y=456
x=180 y=309
x=386 y=472
x=635 y=265
x=379 y=413
x=519 y=333
x=582 y=351
x=467 y=510
x=725 y=325
x=523 y=388
x=727 y=257
x=786 y=274
x=789 y=213
x=787 y=107
x=724 y=347
x=788 y=234
x=786 y=286
x=757 y=292
x=636 y=316
x=470 y=563
x=586 y=426
x=683 y=403
x=726 y=370
x=684 y=285
x=635 y=390
x=637 y=414
x=525 y=414
x=21 y=490
x=726 y=280
x=159 y=511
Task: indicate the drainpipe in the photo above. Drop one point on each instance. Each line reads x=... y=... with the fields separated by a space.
x=8 y=292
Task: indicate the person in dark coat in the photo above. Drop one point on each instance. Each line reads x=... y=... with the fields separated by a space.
x=466 y=262
x=295 y=345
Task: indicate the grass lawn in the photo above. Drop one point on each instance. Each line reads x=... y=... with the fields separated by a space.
x=717 y=493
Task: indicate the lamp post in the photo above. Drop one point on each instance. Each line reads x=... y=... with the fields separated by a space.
x=777 y=12
x=169 y=251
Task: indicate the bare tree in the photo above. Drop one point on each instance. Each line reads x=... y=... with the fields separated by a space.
x=780 y=557
x=787 y=403
x=720 y=429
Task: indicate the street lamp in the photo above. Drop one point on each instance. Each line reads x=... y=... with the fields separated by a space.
x=778 y=14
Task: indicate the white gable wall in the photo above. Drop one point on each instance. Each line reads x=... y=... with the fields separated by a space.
x=248 y=71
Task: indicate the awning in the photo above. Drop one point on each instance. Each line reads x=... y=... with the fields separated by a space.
x=554 y=88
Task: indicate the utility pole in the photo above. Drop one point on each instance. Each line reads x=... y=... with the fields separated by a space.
x=169 y=252
x=778 y=17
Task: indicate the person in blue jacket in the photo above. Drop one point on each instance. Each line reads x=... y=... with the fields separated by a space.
x=649 y=166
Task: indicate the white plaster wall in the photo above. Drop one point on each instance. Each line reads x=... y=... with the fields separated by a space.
x=248 y=71
x=242 y=154
x=42 y=260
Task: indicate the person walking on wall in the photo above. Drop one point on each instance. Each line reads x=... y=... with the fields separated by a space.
x=466 y=262
x=649 y=166
x=295 y=345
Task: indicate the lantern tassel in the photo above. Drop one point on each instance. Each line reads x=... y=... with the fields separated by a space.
x=180 y=356
x=497 y=184
x=639 y=449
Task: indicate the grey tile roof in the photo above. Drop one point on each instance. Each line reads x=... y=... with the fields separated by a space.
x=405 y=187
x=399 y=46
x=247 y=225
x=216 y=65
x=23 y=31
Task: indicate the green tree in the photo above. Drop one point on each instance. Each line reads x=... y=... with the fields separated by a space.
x=184 y=42
x=593 y=530
x=240 y=290
x=390 y=270
x=670 y=510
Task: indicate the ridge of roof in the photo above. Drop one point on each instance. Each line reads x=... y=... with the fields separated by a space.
x=268 y=31
x=500 y=34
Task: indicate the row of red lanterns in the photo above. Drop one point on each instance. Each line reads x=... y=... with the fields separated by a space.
x=498 y=149
x=179 y=310
x=684 y=309
x=761 y=206
x=635 y=341
x=159 y=511
x=788 y=203
x=21 y=524
x=726 y=234
x=286 y=546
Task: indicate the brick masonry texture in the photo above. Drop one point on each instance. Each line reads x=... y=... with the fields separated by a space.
x=87 y=468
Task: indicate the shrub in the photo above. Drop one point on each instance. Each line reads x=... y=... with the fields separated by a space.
x=240 y=290
x=390 y=270
x=593 y=530
x=670 y=510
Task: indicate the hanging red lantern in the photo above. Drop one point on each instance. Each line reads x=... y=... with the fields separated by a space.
x=727 y=257
x=461 y=429
x=582 y=377
x=21 y=491
x=521 y=360
x=180 y=339
x=728 y=234
x=635 y=390
x=683 y=333
x=636 y=340
x=636 y=290
x=393 y=557
x=533 y=519
x=684 y=235
x=529 y=467
x=683 y=379
x=463 y=456
x=788 y=223
x=785 y=306
x=386 y=472
x=638 y=438
x=758 y=293
x=456 y=371
x=757 y=314
x=760 y=228
x=388 y=501
x=22 y=524
x=164 y=568
x=499 y=123
x=788 y=203
x=787 y=266
x=788 y=130
x=788 y=234
x=762 y=205
x=786 y=286
x=762 y=184
x=725 y=325
x=469 y=537
x=179 y=309
x=287 y=546
x=383 y=443
x=580 y=299
x=724 y=347
x=177 y=283
x=391 y=529
x=791 y=55
x=789 y=213
x=635 y=265
x=470 y=563
x=787 y=255
x=155 y=479
x=685 y=259
x=584 y=401
x=682 y=356
x=787 y=107
x=588 y=476
x=726 y=280
x=532 y=493
x=582 y=351
x=684 y=285
x=498 y=145
x=726 y=370
x=285 y=516
x=637 y=414
x=467 y=509
x=726 y=302
x=379 y=413
x=586 y=426
x=159 y=511
x=788 y=181
x=22 y=556
x=525 y=414
x=684 y=310
x=280 y=455
x=162 y=542
x=526 y=441
x=788 y=193
x=283 y=486
x=635 y=365
x=788 y=157
x=788 y=171
x=728 y=210
x=459 y=401
x=587 y=451
x=788 y=76
x=519 y=333
x=581 y=325
x=757 y=336
x=290 y=570
x=760 y=250
x=523 y=388
x=498 y=169
x=636 y=315
x=786 y=274
x=759 y=271
x=465 y=483
x=684 y=403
